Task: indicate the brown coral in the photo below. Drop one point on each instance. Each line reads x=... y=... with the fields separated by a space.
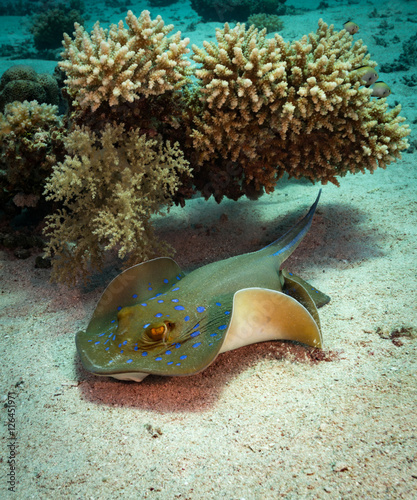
x=29 y=133
x=110 y=185
x=270 y=107
x=21 y=83
x=271 y=22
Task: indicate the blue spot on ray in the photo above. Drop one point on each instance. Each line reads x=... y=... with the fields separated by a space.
x=201 y=309
x=179 y=308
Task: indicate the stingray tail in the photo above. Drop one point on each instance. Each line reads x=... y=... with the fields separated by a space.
x=286 y=244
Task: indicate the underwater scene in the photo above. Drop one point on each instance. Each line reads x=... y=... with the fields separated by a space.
x=208 y=249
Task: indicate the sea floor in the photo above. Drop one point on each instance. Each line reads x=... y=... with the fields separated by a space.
x=266 y=421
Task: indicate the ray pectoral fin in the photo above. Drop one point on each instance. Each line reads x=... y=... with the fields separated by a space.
x=304 y=293
x=260 y=314
x=301 y=290
x=142 y=281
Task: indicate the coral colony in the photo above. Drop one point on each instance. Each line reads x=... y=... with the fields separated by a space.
x=145 y=127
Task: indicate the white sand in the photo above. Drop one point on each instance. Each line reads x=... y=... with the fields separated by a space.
x=265 y=421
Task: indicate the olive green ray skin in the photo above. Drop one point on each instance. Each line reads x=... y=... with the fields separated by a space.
x=115 y=341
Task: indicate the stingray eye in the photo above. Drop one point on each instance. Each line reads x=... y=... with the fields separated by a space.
x=158 y=331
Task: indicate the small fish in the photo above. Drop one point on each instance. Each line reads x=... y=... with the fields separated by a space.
x=367 y=75
x=380 y=89
x=351 y=27
x=154 y=319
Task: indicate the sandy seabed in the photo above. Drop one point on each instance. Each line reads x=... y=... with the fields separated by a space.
x=267 y=421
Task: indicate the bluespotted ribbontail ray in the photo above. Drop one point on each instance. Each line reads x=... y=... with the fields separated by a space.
x=154 y=319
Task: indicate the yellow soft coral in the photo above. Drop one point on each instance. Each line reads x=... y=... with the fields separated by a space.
x=120 y=64
x=109 y=184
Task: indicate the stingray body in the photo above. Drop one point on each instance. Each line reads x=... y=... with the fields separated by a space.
x=154 y=319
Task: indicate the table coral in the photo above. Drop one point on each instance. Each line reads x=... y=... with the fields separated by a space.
x=120 y=64
x=109 y=185
x=269 y=107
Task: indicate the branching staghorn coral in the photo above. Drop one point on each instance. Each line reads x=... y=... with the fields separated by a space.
x=270 y=107
x=109 y=184
x=123 y=64
x=243 y=83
